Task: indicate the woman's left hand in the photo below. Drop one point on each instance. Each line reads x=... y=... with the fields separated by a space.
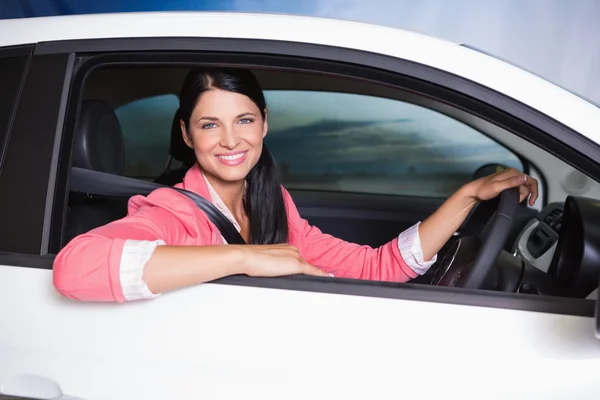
x=441 y=225
x=490 y=186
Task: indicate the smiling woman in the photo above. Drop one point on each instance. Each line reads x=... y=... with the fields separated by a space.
x=166 y=242
x=224 y=120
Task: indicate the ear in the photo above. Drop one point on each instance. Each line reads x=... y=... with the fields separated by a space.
x=265 y=125
x=186 y=137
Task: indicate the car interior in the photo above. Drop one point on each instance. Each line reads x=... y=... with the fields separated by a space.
x=551 y=249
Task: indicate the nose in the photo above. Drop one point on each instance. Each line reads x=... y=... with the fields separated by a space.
x=229 y=138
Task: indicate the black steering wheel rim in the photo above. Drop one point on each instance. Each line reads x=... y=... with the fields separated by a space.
x=490 y=223
x=503 y=209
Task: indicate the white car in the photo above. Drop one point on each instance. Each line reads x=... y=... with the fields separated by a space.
x=373 y=128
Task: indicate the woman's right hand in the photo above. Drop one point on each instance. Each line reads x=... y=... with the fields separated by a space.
x=276 y=260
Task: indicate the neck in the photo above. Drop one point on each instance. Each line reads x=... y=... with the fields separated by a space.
x=232 y=194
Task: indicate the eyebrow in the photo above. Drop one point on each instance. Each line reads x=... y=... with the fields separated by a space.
x=238 y=116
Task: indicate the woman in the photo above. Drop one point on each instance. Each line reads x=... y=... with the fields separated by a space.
x=166 y=243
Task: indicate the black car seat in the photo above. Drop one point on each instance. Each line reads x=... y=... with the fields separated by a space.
x=178 y=151
x=98 y=145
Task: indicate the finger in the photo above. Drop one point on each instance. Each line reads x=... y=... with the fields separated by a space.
x=521 y=180
x=501 y=185
x=524 y=192
x=513 y=181
x=532 y=185
x=308 y=269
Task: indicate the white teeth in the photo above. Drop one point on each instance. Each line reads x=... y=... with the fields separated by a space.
x=234 y=157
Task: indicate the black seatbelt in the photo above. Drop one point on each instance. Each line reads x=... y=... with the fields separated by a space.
x=101 y=183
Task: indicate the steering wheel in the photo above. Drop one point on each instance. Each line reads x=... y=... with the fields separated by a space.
x=471 y=257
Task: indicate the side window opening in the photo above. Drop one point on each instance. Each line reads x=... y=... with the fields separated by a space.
x=336 y=142
x=358 y=143
x=322 y=141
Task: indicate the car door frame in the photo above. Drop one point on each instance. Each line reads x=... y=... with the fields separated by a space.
x=57 y=63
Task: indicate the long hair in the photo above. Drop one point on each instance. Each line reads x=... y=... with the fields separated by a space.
x=263 y=201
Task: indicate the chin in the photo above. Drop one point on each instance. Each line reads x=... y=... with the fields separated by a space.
x=232 y=174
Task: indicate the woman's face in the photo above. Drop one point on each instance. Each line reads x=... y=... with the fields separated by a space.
x=226 y=132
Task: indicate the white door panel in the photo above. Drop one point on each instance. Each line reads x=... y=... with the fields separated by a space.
x=222 y=341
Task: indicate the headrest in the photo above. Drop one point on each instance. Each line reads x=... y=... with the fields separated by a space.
x=179 y=150
x=99 y=144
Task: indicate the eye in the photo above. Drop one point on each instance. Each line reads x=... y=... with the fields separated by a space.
x=246 y=121
x=209 y=125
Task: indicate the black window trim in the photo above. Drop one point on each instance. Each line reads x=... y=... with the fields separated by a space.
x=10 y=52
x=54 y=182
x=26 y=171
x=16 y=51
x=420 y=78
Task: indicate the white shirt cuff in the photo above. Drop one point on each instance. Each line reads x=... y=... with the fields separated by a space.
x=134 y=257
x=409 y=245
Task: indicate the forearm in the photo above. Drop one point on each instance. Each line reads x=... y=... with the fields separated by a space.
x=436 y=230
x=176 y=267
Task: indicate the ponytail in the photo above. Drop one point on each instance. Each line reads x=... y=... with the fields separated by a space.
x=264 y=202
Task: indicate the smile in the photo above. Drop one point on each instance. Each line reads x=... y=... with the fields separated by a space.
x=232 y=159
x=233 y=156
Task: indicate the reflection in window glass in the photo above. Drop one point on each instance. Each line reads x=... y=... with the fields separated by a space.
x=146 y=126
x=358 y=143
x=11 y=70
x=337 y=141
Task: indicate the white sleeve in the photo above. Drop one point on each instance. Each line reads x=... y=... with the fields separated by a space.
x=134 y=257
x=409 y=245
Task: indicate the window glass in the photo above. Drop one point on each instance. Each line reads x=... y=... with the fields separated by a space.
x=337 y=142
x=146 y=125
x=358 y=143
x=11 y=70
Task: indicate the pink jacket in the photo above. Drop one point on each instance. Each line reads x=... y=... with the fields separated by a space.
x=88 y=267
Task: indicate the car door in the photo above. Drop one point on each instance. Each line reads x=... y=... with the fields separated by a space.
x=292 y=337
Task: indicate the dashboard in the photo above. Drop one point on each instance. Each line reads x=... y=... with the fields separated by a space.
x=560 y=249
x=537 y=241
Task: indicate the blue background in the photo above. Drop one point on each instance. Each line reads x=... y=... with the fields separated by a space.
x=557 y=39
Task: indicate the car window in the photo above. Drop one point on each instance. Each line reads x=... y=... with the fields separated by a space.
x=11 y=70
x=358 y=143
x=337 y=142
x=146 y=126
